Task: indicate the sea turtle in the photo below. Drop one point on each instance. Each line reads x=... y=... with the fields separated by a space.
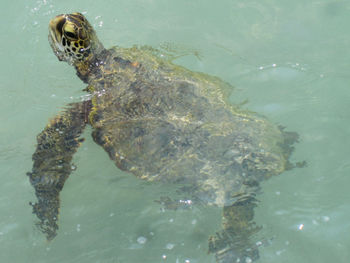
x=165 y=124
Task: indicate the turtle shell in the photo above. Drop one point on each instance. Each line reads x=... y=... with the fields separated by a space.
x=165 y=123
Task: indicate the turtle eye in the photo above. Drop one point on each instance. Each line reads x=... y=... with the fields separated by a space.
x=70 y=34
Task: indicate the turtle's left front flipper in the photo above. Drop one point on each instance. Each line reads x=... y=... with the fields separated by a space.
x=52 y=162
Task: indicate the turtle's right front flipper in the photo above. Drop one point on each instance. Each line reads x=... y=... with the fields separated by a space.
x=52 y=163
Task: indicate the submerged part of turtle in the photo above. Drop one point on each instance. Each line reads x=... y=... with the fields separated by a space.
x=163 y=123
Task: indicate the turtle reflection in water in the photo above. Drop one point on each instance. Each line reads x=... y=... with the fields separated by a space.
x=164 y=124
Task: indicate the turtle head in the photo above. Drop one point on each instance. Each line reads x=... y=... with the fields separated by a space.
x=73 y=39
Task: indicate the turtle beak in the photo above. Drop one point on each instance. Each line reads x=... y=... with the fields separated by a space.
x=55 y=27
x=55 y=36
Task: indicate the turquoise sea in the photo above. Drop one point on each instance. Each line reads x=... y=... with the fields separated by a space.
x=289 y=60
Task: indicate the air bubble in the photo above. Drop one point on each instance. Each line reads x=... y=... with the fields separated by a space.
x=170 y=246
x=141 y=240
x=326 y=218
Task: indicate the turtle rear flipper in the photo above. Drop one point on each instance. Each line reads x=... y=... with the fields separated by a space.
x=52 y=163
x=233 y=243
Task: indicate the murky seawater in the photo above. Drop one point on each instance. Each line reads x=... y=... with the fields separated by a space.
x=290 y=60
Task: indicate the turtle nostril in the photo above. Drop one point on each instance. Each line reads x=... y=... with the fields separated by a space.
x=60 y=24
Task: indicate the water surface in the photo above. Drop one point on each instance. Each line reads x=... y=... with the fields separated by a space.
x=290 y=60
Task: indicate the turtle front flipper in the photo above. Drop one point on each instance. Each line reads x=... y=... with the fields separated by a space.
x=233 y=243
x=52 y=163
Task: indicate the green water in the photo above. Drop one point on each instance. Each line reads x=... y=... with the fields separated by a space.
x=290 y=59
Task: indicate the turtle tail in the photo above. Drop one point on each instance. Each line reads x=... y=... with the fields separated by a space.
x=289 y=139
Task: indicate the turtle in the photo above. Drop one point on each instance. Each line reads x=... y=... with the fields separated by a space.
x=164 y=124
